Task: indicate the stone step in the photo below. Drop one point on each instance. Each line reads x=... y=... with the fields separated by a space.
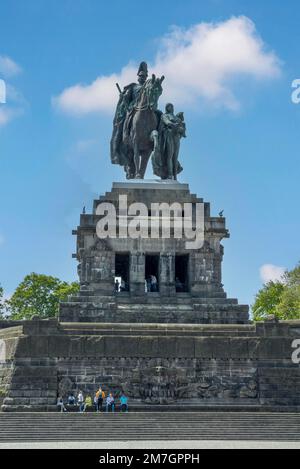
x=136 y=302
x=210 y=307
x=157 y=329
x=105 y=300
x=150 y=426
x=152 y=298
x=148 y=307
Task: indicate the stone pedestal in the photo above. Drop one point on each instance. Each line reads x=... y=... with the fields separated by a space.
x=202 y=300
x=175 y=342
x=159 y=366
x=186 y=344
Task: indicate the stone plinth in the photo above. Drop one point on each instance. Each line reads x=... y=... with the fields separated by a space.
x=161 y=365
x=202 y=299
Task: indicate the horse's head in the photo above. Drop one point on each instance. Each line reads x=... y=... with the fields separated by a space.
x=153 y=90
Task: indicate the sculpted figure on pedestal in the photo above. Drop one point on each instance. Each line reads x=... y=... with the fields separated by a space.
x=140 y=130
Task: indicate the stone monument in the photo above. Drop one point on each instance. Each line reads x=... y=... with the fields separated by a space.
x=152 y=318
x=189 y=286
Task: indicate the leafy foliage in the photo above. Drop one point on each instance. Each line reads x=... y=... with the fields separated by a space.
x=39 y=295
x=281 y=299
x=2 y=304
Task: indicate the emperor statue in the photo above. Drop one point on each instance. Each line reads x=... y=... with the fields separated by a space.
x=141 y=131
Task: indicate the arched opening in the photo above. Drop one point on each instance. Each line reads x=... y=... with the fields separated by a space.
x=152 y=273
x=122 y=264
x=181 y=273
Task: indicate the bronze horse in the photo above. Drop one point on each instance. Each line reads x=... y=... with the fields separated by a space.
x=145 y=120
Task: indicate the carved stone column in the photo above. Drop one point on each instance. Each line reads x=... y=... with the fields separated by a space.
x=137 y=273
x=167 y=274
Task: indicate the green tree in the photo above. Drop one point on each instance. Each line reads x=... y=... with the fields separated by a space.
x=267 y=299
x=292 y=277
x=2 y=304
x=39 y=295
x=289 y=304
x=279 y=298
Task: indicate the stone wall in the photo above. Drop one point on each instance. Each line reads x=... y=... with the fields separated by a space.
x=157 y=365
x=188 y=381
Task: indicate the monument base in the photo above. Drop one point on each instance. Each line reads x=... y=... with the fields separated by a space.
x=159 y=366
x=182 y=344
x=189 y=285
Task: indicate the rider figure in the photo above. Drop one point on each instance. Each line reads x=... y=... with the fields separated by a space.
x=131 y=96
x=123 y=116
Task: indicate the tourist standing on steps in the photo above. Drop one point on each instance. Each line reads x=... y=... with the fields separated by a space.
x=96 y=402
x=117 y=286
x=60 y=404
x=80 y=401
x=100 y=396
x=110 y=403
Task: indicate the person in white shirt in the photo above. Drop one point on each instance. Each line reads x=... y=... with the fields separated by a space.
x=110 y=403
x=80 y=401
x=60 y=404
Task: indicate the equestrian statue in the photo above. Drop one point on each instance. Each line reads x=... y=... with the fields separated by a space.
x=141 y=131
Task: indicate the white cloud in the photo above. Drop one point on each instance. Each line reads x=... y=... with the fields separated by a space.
x=8 y=68
x=7 y=114
x=101 y=95
x=270 y=272
x=199 y=63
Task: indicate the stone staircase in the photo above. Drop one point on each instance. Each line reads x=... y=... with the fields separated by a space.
x=154 y=308
x=260 y=426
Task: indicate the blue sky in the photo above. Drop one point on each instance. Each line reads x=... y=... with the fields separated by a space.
x=242 y=150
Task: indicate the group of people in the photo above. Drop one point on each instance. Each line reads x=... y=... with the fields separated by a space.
x=151 y=284
x=100 y=402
